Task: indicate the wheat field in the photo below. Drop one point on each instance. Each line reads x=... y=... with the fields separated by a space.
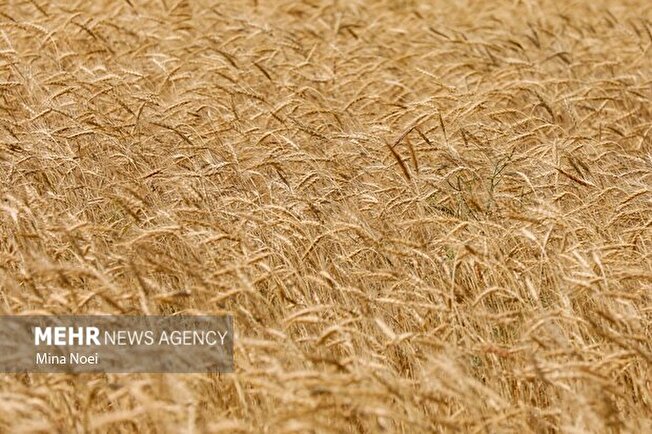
x=423 y=216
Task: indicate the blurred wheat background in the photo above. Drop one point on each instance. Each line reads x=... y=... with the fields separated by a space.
x=424 y=216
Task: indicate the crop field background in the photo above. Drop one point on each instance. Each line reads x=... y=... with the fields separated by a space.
x=424 y=216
